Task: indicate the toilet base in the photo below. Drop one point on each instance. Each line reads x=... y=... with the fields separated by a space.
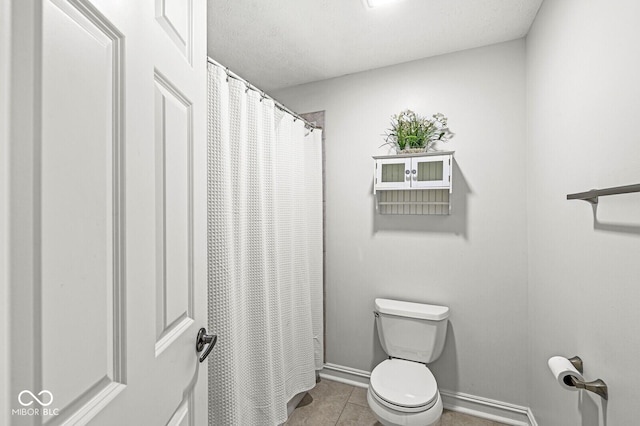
x=389 y=417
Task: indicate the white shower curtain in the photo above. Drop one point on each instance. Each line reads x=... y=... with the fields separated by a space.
x=265 y=255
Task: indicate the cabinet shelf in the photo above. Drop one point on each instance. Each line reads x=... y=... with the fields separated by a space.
x=413 y=183
x=415 y=203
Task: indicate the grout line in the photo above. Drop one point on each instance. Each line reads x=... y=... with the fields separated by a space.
x=345 y=404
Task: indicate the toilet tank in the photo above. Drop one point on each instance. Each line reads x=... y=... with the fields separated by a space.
x=413 y=331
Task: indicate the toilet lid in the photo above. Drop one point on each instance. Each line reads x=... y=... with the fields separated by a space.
x=404 y=383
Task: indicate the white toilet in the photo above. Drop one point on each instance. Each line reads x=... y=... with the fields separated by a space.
x=402 y=390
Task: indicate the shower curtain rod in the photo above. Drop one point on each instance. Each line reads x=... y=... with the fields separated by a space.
x=280 y=106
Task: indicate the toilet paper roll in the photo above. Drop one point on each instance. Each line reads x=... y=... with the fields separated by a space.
x=561 y=368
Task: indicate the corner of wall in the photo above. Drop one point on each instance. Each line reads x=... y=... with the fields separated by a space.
x=5 y=89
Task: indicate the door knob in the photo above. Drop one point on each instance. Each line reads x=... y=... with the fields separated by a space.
x=203 y=339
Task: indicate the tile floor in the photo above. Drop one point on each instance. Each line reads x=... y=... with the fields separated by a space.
x=333 y=403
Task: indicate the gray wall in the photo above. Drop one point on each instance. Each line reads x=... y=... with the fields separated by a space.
x=582 y=101
x=473 y=261
x=583 y=89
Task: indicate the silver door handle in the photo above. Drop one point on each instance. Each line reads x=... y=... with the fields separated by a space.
x=202 y=339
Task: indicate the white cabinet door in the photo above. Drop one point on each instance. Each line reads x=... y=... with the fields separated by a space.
x=431 y=172
x=107 y=211
x=393 y=173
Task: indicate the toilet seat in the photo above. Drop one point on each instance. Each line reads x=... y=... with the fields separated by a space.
x=403 y=385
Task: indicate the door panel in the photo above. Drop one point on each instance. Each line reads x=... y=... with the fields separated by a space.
x=393 y=173
x=431 y=172
x=176 y=19
x=116 y=216
x=183 y=415
x=81 y=239
x=174 y=212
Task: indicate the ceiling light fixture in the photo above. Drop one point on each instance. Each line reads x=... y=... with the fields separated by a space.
x=377 y=3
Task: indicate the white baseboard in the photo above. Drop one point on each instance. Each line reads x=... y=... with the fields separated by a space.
x=485 y=408
x=347 y=375
x=476 y=406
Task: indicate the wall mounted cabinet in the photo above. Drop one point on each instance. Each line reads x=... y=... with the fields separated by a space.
x=413 y=183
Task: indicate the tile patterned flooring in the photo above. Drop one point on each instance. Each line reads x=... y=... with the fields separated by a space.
x=332 y=403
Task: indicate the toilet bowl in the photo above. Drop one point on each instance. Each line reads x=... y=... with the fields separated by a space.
x=402 y=389
x=404 y=393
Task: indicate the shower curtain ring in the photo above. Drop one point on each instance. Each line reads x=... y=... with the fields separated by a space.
x=247 y=87
x=226 y=70
x=262 y=96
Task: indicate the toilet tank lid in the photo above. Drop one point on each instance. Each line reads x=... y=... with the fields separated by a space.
x=411 y=309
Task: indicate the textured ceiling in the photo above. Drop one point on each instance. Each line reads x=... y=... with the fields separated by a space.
x=281 y=43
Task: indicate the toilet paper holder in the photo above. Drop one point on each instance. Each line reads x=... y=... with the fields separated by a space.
x=576 y=361
x=597 y=386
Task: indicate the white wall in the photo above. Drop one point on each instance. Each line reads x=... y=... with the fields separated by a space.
x=473 y=261
x=583 y=89
x=5 y=35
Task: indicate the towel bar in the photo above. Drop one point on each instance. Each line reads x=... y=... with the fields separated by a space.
x=592 y=196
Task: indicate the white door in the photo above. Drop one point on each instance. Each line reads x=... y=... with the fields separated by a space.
x=107 y=212
x=431 y=171
x=393 y=173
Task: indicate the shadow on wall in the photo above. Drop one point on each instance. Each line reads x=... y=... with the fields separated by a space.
x=454 y=223
x=623 y=228
x=445 y=368
x=379 y=354
x=589 y=406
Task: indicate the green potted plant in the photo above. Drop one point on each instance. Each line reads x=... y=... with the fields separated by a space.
x=412 y=133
